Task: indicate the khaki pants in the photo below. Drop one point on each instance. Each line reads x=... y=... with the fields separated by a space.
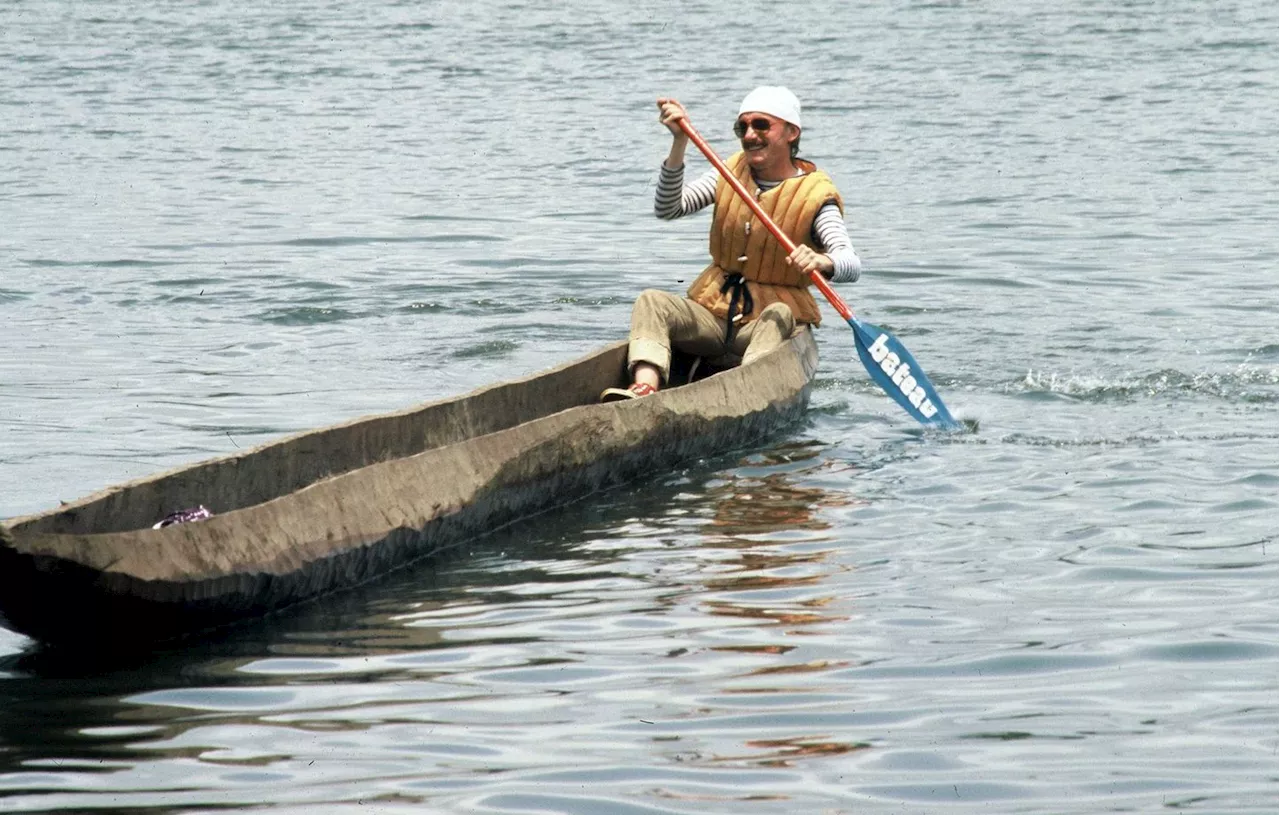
x=661 y=321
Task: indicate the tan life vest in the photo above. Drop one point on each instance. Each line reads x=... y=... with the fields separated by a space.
x=740 y=243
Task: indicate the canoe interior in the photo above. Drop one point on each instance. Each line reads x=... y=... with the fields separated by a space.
x=278 y=468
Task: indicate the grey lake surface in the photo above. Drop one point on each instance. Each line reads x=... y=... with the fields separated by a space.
x=225 y=222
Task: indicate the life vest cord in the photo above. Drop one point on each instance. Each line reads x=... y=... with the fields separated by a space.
x=737 y=288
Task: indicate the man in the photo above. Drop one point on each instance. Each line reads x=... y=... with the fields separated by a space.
x=751 y=297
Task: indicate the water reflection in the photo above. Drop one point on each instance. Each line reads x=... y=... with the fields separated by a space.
x=785 y=752
x=772 y=525
x=526 y=621
x=765 y=502
x=767 y=572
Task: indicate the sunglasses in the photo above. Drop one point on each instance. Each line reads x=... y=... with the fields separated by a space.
x=758 y=124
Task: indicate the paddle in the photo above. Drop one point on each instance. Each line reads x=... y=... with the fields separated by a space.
x=885 y=358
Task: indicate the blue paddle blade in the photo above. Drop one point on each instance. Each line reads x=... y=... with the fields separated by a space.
x=894 y=369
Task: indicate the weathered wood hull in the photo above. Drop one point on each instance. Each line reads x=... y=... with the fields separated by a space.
x=333 y=508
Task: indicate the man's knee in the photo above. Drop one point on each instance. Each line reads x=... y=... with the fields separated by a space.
x=780 y=315
x=654 y=300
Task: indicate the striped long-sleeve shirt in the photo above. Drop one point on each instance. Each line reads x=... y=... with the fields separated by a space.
x=675 y=199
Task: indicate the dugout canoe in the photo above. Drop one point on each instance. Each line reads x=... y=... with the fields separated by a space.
x=319 y=511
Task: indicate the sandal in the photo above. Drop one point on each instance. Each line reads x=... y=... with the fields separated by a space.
x=636 y=390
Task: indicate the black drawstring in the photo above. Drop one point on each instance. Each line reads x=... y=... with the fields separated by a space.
x=737 y=288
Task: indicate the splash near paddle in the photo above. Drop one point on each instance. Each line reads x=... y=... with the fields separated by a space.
x=886 y=359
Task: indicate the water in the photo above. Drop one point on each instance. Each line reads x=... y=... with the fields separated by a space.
x=220 y=224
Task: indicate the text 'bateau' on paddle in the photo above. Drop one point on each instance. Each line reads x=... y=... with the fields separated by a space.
x=884 y=356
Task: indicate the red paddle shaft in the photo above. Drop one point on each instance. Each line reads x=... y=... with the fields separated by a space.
x=818 y=279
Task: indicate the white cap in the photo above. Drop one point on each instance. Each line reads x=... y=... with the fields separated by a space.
x=774 y=100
